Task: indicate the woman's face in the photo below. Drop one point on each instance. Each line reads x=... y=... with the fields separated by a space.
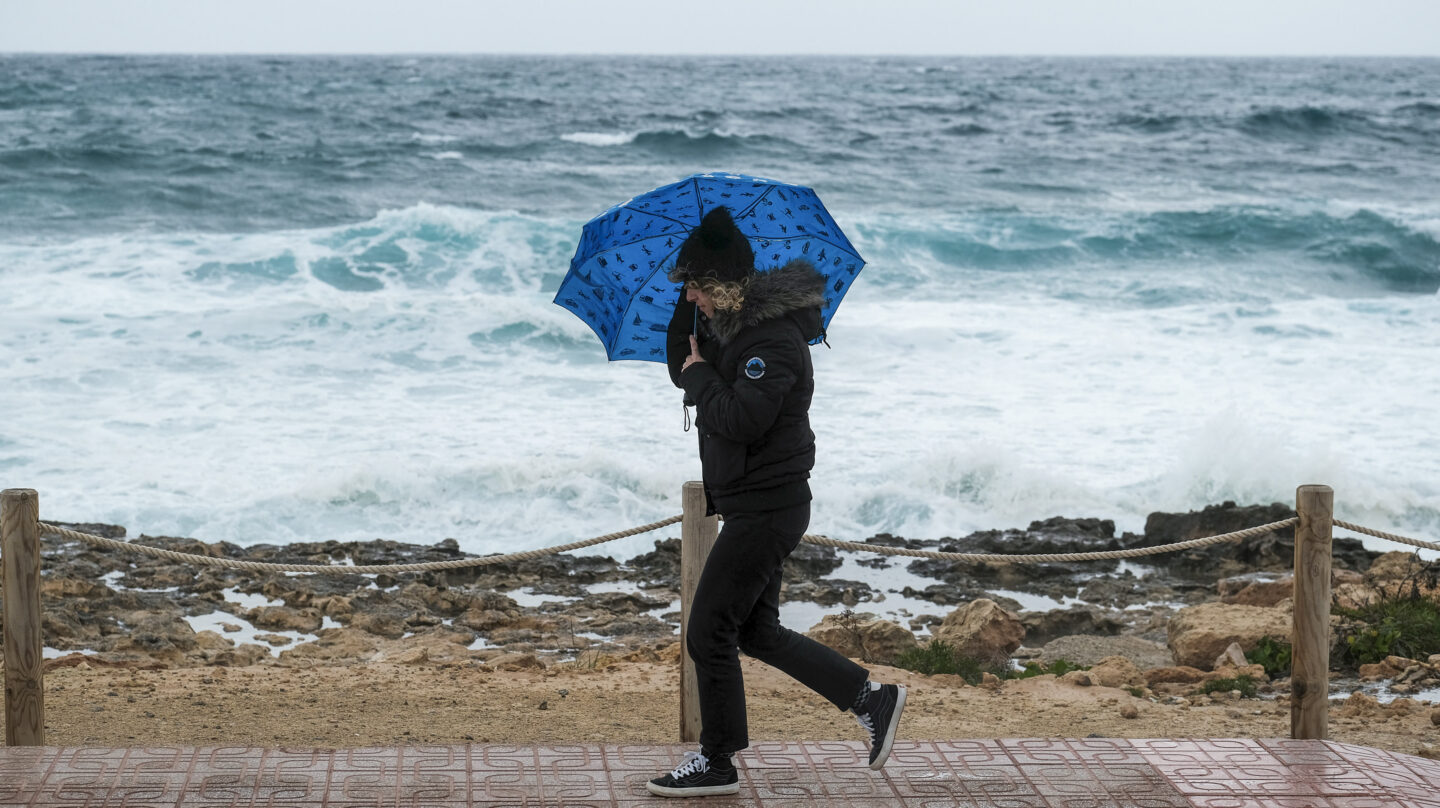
x=700 y=298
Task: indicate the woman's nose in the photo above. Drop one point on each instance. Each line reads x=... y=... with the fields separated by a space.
x=690 y=295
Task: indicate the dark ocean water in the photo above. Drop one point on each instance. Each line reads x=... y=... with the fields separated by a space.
x=1095 y=285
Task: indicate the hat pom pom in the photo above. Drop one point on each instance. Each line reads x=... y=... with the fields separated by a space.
x=717 y=229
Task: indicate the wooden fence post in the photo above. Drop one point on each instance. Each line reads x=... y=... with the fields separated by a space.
x=697 y=536
x=1310 y=640
x=24 y=662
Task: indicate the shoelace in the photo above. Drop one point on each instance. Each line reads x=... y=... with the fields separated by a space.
x=694 y=763
x=867 y=722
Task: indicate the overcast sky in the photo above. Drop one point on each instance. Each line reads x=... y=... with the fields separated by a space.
x=921 y=27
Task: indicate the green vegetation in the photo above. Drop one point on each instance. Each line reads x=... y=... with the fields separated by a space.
x=1137 y=692
x=938 y=656
x=1405 y=622
x=1405 y=626
x=1242 y=683
x=1273 y=654
x=1059 y=667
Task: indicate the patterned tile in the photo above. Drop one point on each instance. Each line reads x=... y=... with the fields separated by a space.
x=960 y=754
x=628 y=757
x=1041 y=752
x=1013 y=773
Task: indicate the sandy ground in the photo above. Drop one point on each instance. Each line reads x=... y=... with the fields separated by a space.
x=628 y=702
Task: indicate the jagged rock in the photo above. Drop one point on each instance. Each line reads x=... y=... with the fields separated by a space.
x=284 y=618
x=483 y=620
x=1177 y=674
x=1078 y=678
x=1198 y=634
x=242 y=656
x=1041 y=627
x=863 y=637
x=945 y=594
x=623 y=603
x=574 y=569
x=808 y=562
x=334 y=644
x=413 y=656
x=379 y=624
x=1264 y=592
x=1122 y=591
x=1273 y=551
x=1231 y=657
x=1116 y=671
x=1402 y=574
x=661 y=565
x=59 y=588
x=160 y=635
x=334 y=605
x=1055 y=535
x=516 y=662
x=212 y=641
x=1394 y=566
x=828 y=592
x=982 y=630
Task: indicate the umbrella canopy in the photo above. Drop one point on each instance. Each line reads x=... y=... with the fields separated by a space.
x=617 y=280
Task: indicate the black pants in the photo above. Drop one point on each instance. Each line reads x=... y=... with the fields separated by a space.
x=737 y=608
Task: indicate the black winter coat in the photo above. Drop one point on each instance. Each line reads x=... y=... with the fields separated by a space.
x=752 y=393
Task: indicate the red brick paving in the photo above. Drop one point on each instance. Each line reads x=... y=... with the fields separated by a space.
x=1018 y=773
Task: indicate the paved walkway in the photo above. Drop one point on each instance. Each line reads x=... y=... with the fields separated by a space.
x=1043 y=773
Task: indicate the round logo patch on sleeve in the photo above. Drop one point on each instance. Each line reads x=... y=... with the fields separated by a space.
x=754 y=367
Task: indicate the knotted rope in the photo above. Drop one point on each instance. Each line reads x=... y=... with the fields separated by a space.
x=336 y=569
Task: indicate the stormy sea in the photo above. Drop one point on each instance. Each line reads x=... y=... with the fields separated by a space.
x=284 y=299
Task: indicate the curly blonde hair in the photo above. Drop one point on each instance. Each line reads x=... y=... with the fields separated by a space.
x=727 y=296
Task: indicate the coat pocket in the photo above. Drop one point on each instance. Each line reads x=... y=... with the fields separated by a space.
x=723 y=463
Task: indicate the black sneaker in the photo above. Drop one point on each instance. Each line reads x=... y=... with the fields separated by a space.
x=696 y=776
x=880 y=716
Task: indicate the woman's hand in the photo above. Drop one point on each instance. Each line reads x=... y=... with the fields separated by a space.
x=694 y=354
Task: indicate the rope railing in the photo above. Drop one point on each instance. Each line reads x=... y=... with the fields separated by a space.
x=347 y=569
x=1380 y=534
x=819 y=540
x=21 y=528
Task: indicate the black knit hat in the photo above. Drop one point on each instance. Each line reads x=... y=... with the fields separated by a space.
x=715 y=250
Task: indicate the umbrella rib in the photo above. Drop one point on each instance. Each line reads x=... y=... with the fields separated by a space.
x=842 y=248
x=757 y=201
x=613 y=247
x=658 y=216
x=625 y=315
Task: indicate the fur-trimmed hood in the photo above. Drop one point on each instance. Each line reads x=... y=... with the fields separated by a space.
x=797 y=287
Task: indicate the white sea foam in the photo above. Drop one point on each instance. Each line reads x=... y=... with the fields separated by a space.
x=409 y=378
x=600 y=139
x=447 y=155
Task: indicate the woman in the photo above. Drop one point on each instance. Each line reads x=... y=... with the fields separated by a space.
x=739 y=346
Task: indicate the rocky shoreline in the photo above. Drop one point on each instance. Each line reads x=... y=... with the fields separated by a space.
x=1162 y=627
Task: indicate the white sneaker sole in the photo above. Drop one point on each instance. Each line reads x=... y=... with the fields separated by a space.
x=889 y=735
x=697 y=791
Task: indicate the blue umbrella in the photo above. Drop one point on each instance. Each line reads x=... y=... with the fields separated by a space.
x=617 y=280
